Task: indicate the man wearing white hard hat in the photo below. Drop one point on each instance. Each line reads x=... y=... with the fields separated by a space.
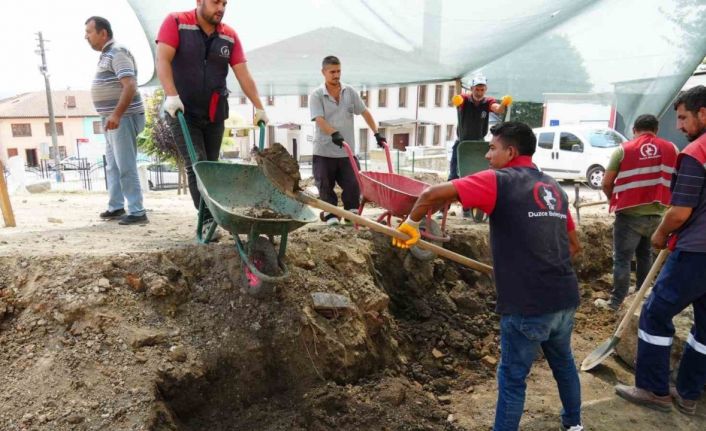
x=474 y=110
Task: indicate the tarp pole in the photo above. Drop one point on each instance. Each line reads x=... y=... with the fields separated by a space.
x=5 y=204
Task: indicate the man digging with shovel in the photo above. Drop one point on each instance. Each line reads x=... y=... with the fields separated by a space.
x=532 y=237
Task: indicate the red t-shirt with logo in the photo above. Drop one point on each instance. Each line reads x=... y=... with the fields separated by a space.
x=480 y=190
x=169 y=33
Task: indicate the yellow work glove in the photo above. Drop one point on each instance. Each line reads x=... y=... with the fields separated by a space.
x=457 y=100
x=410 y=228
x=506 y=100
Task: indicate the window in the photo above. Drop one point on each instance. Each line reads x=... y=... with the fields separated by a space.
x=604 y=138
x=449 y=132
x=569 y=142
x=437 y=135
x=438 y=90
x=21 y=130
x=270 y=135
x=452 y=92
x=363 y=140
x=402 y=99
x=70 y=101
x=59 y=129
x=421 y=135
x=31 y=157
x=364 y=97
x=382 y=131
x=546 y=140
x=304 y=101
x=382 y=97
x=422 y=90
x=243 y=100
x=97 y=128
x=12 y=152
x=62 y=152
x=270 y=100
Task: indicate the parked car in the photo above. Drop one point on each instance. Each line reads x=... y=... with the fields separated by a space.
x=578 y=152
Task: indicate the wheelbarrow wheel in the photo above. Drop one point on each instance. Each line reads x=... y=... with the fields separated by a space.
x=264 y=258
x=433 y=228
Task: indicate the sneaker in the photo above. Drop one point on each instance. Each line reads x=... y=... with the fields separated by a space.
x=605 y=305
x=134 y=219
x=332 y=221
x=688 y=407
x=345 y=221
x=644 y=397
x=467 y=213
x=108 y=215
x=572 y=428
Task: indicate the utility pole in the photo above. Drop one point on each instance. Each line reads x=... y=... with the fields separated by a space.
x=52 y=124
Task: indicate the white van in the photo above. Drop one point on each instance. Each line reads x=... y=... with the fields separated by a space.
x=578 y=152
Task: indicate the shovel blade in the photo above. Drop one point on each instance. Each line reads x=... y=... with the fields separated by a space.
x=600 y=353
x=280 y=168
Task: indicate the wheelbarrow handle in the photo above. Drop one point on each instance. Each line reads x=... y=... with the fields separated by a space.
x=261 y=125
x=354 y=165
x=187 y=137
x=388 y=157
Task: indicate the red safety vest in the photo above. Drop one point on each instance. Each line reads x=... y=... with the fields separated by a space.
x=645 y=173
x=697 y=150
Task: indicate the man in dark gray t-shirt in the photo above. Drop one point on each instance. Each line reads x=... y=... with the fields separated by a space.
x=332 y=108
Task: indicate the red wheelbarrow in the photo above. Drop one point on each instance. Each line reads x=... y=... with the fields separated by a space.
x=396 y=194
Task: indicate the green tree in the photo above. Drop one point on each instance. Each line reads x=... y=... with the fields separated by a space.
x=156 y=138
x=548 y=64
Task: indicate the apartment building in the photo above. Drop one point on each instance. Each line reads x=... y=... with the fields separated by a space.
x=408 y=116
x=25 y=129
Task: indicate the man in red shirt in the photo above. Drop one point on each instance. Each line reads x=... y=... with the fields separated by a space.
x=194 y=51
x=532 y=239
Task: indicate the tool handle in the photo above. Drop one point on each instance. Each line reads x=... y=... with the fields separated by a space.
x=661 y=257
x=261 y=125
x=377 y=227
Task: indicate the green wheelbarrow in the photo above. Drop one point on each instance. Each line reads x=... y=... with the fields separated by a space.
x=470 y=156
x=244 y=202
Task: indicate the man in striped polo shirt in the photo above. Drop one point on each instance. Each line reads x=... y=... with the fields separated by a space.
x=115 y=97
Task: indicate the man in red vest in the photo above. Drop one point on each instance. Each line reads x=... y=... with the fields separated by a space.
x=682 y=281
x=637 y=183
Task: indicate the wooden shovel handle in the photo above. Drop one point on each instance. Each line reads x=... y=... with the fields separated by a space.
x=637 y=300
x=377 y=227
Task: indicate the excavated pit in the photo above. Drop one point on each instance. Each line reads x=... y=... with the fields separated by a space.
x=169 y=341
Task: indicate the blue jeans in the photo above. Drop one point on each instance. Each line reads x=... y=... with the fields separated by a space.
x=631 y=236
x=121 y=164
x=520 y=339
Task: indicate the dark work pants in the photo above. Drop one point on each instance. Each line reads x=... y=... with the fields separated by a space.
x=206 y=137
x=329 y=171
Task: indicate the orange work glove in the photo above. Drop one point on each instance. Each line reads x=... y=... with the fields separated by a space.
x=506 y=100
x=457 y=100
x=410 y=228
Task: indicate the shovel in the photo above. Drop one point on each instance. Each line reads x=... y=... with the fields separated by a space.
x=282 y=170
x=604 y=350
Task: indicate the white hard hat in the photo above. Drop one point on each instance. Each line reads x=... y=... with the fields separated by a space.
x=479 y=80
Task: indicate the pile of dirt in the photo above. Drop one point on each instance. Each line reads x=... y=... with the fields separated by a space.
x=259 y=211
x=169 y=340
x=280 y=167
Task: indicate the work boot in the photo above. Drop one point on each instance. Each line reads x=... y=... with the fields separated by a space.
x=605 y=305
x=109 y=215
x=644 y=397
x=688 y=407
x=133 y=219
